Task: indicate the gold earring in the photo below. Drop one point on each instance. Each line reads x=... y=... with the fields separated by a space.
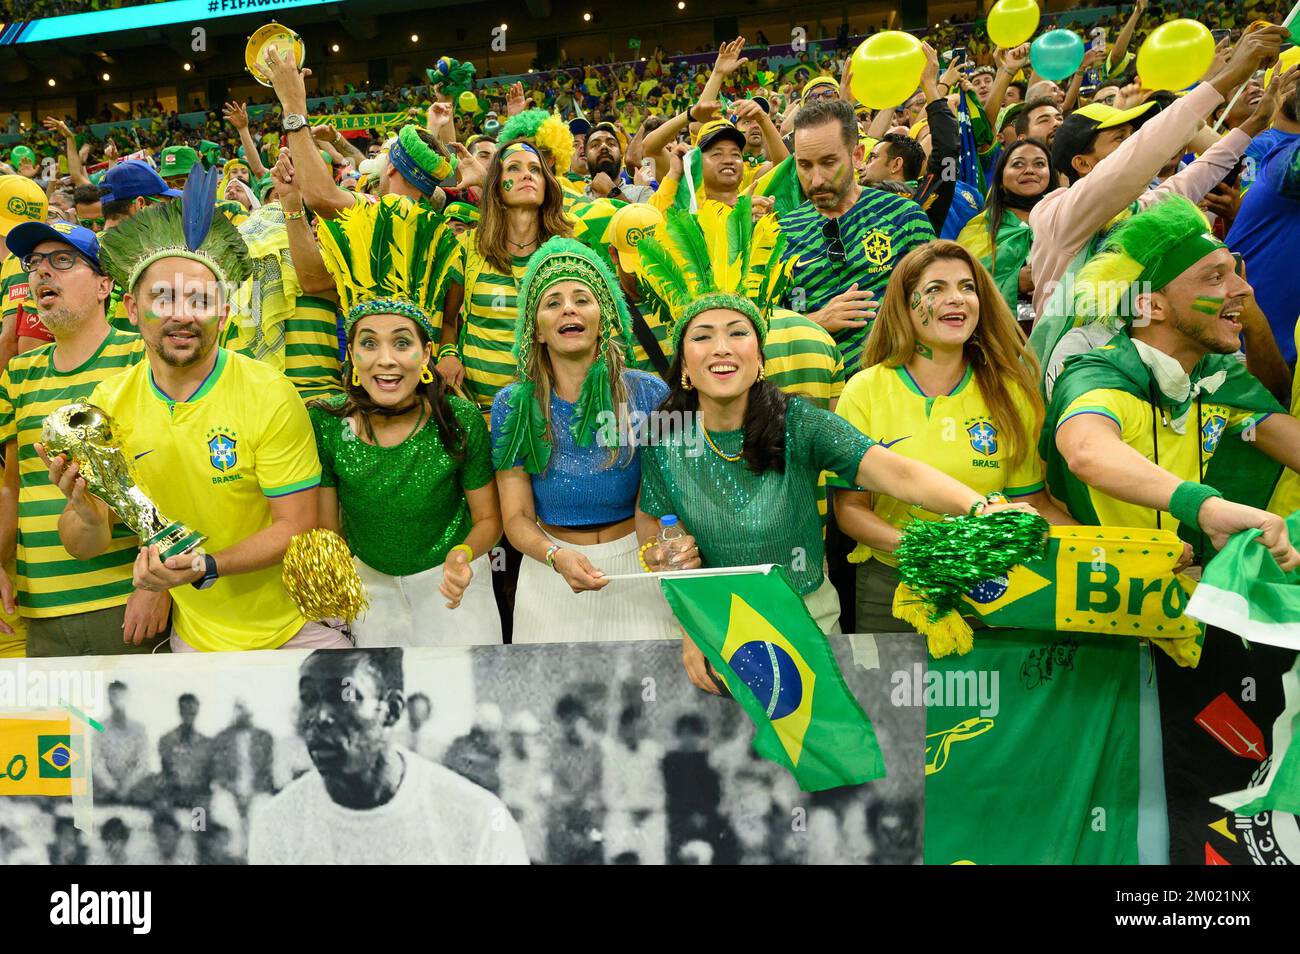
x=686 y=381
x=426 y=375
x=356 y=378
x=762 y=372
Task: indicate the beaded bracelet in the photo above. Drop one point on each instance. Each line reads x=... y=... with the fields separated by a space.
x=293 y=216
x=640 y=554
x=553 y=549
x=469 y=551
x=977 y=507
x=449 y=349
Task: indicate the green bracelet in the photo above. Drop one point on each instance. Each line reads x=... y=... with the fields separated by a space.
x=1185 y=503
x=449 y=349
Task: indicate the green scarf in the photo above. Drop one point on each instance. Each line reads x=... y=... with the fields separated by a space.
x=1238 y=470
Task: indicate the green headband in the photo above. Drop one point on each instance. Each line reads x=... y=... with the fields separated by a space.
x=389 y=306
x=730 y=302
x=1159 y=273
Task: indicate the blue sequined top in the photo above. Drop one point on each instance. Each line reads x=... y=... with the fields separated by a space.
x=578 y=488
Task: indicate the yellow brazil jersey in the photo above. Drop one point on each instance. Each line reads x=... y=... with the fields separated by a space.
x=50 y=581
x=488 y=315
x=311 y=348
x=953 y=433
x=13 y=288
x=1186 y=455
x=213 y=462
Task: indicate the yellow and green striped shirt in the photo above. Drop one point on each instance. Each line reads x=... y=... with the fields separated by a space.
x=488 y=316
x=800 y=357
x=13 y=287
x=311 y=348
x=50 y=581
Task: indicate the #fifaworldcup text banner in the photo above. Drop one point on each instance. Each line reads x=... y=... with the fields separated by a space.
x=190 y=12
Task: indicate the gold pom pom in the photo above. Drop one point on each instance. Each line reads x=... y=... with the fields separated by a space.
x=320 y=578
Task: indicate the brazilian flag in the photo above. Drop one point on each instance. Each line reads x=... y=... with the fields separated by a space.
x=58 y=758
x=756 y=632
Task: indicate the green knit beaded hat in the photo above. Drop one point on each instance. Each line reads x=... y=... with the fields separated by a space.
x=691 y=264
x=523 y=432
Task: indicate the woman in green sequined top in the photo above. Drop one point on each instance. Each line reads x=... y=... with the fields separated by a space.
x=407 y=478
x=750 y=497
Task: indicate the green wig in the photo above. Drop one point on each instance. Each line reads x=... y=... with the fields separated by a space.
x=523 y=433
x=1146 y=251
x=545 y=130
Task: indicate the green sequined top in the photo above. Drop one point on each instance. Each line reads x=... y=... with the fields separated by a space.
x=739 y=518
x=403 y=507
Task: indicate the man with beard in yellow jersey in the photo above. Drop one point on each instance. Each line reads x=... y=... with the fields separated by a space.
x=221 y=442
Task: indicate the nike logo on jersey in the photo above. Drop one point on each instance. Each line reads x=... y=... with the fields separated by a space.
x=138 y=456
x=888 y=444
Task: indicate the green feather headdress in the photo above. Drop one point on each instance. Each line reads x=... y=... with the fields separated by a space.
x=523 y=433
x=391 y=249
x=1146 y=251
x=691 y=264
x=186 y=228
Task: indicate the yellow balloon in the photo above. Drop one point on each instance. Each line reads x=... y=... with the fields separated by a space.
x=1012 y=22
x=468 y=102
x=887 y=69
x=1175 y=55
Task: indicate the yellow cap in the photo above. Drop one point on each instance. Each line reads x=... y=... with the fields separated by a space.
x=1284 y=62
x=21 y=200
x=629 y=225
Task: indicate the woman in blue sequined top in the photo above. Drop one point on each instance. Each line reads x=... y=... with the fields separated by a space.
x=565 y=443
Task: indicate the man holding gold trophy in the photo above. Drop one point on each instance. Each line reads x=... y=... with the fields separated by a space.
x=71 y=608
x=219 y=442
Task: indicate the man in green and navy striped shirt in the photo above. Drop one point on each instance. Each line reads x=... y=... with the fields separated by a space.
x=845 y=240
x=72 y=607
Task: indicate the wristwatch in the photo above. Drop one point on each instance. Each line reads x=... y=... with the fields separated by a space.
x=209 y=573
x=292 y=122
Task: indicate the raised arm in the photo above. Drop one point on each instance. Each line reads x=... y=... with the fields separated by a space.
x=237 y=115
x=75 y=168
x=313 y=277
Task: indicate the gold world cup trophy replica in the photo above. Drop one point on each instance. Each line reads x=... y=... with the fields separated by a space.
x=85 y=434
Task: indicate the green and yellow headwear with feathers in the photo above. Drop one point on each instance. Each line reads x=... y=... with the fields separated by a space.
x=385 y=252
x=523 y=432
x=545 y=130
x=187 y=228
x=1144 y=253
x=718 y=259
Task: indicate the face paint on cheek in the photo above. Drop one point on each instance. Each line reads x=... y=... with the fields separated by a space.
x=507 y=185
x=1207 y=305
x=916 y=300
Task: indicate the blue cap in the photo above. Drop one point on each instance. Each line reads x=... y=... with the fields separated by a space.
x=579 y=126
x=23 y=239
x=668 y=520
x=132 y=179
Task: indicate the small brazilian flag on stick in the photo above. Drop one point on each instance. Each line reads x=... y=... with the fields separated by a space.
x=755 y=630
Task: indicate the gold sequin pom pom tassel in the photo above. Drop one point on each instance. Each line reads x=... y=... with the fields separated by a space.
x=320 y=578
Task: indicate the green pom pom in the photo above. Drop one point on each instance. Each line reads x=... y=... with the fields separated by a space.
x=943 y=560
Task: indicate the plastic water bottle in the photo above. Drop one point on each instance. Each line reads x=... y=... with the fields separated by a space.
x=670 y=531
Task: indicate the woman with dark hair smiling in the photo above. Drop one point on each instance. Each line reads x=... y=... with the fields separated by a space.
x=522 y=206
x=999 y=236
x=751 y=496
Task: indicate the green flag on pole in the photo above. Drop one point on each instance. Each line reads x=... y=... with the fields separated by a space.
x=756 y=632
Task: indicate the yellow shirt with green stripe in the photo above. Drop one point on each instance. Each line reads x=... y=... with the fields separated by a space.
x=952 y=432
x=1186 y=455
x=214 y=462
x=311 y=348
x=488 y=316
x=800 y=357
x=50 y=582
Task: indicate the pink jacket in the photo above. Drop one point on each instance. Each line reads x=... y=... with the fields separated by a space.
x=1067 y=218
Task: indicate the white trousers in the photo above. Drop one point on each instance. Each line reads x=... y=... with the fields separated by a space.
x=409 y=610
x=548 y=611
